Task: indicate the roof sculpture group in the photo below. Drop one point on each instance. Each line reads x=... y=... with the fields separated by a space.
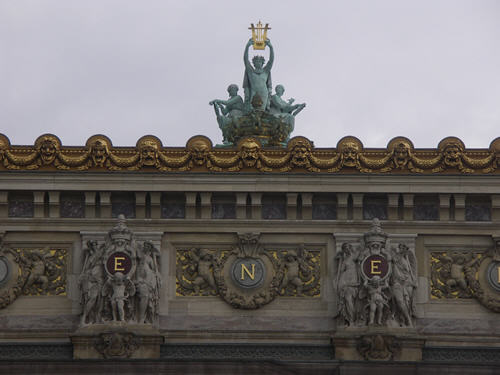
x=261 y=114
x=256 y=138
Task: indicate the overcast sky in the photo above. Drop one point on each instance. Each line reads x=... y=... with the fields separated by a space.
x=375 y=69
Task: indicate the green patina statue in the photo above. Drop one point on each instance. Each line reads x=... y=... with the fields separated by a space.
x=257 y=78
x=283 y=109
x=262 y=115
x=228 y=110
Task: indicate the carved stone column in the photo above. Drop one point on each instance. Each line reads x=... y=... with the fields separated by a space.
x=206 y=205
x=495 y=207
x=256 y=205
x=392 y=209
x=357 y=204
x=4 y=204
x=408 y=206
x=459 y=207
x=54 y=209
x=90 y=204
x=105 y=204
x=241 y=205
x=140 y=204
x=38 y=202
x=307 y=206
x=190 y=205
x=291 y=206
x=342 y=199
x=155 y=205
x=444 y=207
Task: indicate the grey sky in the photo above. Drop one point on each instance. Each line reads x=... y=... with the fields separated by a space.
x=424 y=69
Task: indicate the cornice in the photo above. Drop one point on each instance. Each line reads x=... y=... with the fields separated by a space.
x=299 y=156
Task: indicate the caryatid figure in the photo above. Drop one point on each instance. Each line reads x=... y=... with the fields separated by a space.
x=347 y=283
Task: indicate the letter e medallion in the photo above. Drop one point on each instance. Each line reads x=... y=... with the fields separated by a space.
x=375 y=265
x=118 y=262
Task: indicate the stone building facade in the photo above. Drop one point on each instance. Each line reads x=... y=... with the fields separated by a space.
x=248 y=258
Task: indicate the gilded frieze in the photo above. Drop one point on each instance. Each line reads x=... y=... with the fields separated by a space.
x=31 y=272
x=299 y=155
x=449 y=274
x=301 y=272
x=467 y=275
x=44 y=270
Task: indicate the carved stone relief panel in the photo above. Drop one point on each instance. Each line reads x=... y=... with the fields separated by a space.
x=467 y=274
x=31 y=272
x=120 y=279
x=375 y=279
x=249 y=276
x=45 y=271
x=448 y=273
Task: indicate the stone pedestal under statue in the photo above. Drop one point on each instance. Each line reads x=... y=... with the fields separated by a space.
x=117 y=341
x=378 y=344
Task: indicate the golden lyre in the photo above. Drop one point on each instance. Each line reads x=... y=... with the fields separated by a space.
x=259 y=35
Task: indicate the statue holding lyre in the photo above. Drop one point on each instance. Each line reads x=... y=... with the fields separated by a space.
x=259 y=35
x=257 y=79
x=260 y=114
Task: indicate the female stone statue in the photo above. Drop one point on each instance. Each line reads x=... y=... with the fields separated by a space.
x=148 y=283
x=347 y=283
x=404 y=283
x=91 y=282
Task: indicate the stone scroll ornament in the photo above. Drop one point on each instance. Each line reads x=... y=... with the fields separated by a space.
x=248 y=276
x=462 y=274
x=376 y=281
x=120 y=279
x=31 y=272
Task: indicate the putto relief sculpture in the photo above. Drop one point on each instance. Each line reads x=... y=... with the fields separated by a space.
x=31 y=272
x=120 y=279
x=376 y=281
x=248 y=276
x=448 y=273
x=467 y=274
x=260 y=113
